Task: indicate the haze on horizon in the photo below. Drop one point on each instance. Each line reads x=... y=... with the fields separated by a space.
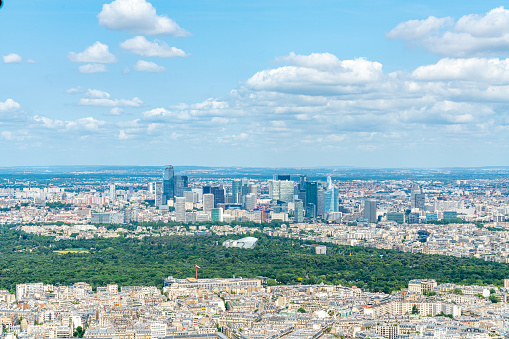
x=385 y=84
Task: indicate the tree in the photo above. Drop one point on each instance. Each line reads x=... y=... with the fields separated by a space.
x=493 y=298
x=79 y=332
x=457 y=291
x=271 y=282
x=301 y=310
x=415 y=310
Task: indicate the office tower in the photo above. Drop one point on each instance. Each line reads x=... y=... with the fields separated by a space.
x=253 y=189
x=250 y=202
x=168 y=185
x=236 y=193
x=299 y=211
x=180 y=184
x=218 y=192
x=190 y=196
x=331 y=198
x=206 y=189
x=311 y=193
x=199 y=193
x=208 y=202
x=320 y=203
x=113 y=193
x=282 y=190
x=244 y=189
x=283 y=177
x=370 y=210
x=303 y=181
x=311 y=211
x=159 y=193
x=180 y=209
x=216 y=214
x=417 y=199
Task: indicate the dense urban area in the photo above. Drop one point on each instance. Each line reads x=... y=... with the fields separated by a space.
x=208 y=253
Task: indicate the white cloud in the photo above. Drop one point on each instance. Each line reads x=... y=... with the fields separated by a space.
x=317 y=74
x=97 y=53
x=134 y=102
x=141 y=46
x=417 y=29
x=9 y=105
x=471 y=35
x=122 y=135
x=493 y=70
x=49 y=123
x=97 y=94
x=116 y=111
x=12 y=58
x=138 y=16
x=31 y=61
x=74 y=90
x=148 y=66
x=88 y=124
x=92 y=68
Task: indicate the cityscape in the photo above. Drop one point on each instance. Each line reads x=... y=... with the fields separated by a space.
x=175 y=169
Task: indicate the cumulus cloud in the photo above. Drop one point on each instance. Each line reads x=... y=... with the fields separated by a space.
x=9 y=105
x=134 y=102
x=317 y=74
x=116 y=111
x=97 y=53
x=148 y=66
x=471 y=35
x=92 y=68
x=96 y=94
x=141 y=46
x=12 y=58
x=494 y=70
x=138 y=16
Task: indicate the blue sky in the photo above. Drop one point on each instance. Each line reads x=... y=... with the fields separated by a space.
x=286 y=83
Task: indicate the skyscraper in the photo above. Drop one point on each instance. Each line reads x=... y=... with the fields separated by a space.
x=168 y=185
x=331 y=198
x=370 y=210
x=320 y=202
x=250 y=202
x=180 y=209
x=180 y=184
x=311 y=193
x=417 y=199
x=113 y=193
x=208 y=202
x=299 y=211
x=282 y=191
x=283 y=177
x=236 y=196
x=159 y=193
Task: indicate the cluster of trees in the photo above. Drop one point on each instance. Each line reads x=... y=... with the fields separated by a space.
x=147 y=261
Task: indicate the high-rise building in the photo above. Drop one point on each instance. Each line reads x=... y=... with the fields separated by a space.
x=283 y=177
x=311 y=211
x=216 y=214
x=312 y=193
x=417 y=199
x=180 y=209
x=191 y=196
x=113 y=193
x=299 y=211
x=208 y=202
x=250 y=202
x=320 y=202
x=236 y=191
x=253 y=189
x=331 y=198
x=168 y=184
x=282 y=191
x=370 y=210
x=303 y=181
x=181 y=182
x=159 y=193
x=218 y=192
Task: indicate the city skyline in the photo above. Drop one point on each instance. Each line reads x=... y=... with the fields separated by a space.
x=389 y=84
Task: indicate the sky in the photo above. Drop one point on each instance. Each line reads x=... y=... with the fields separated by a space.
x=254 y=83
